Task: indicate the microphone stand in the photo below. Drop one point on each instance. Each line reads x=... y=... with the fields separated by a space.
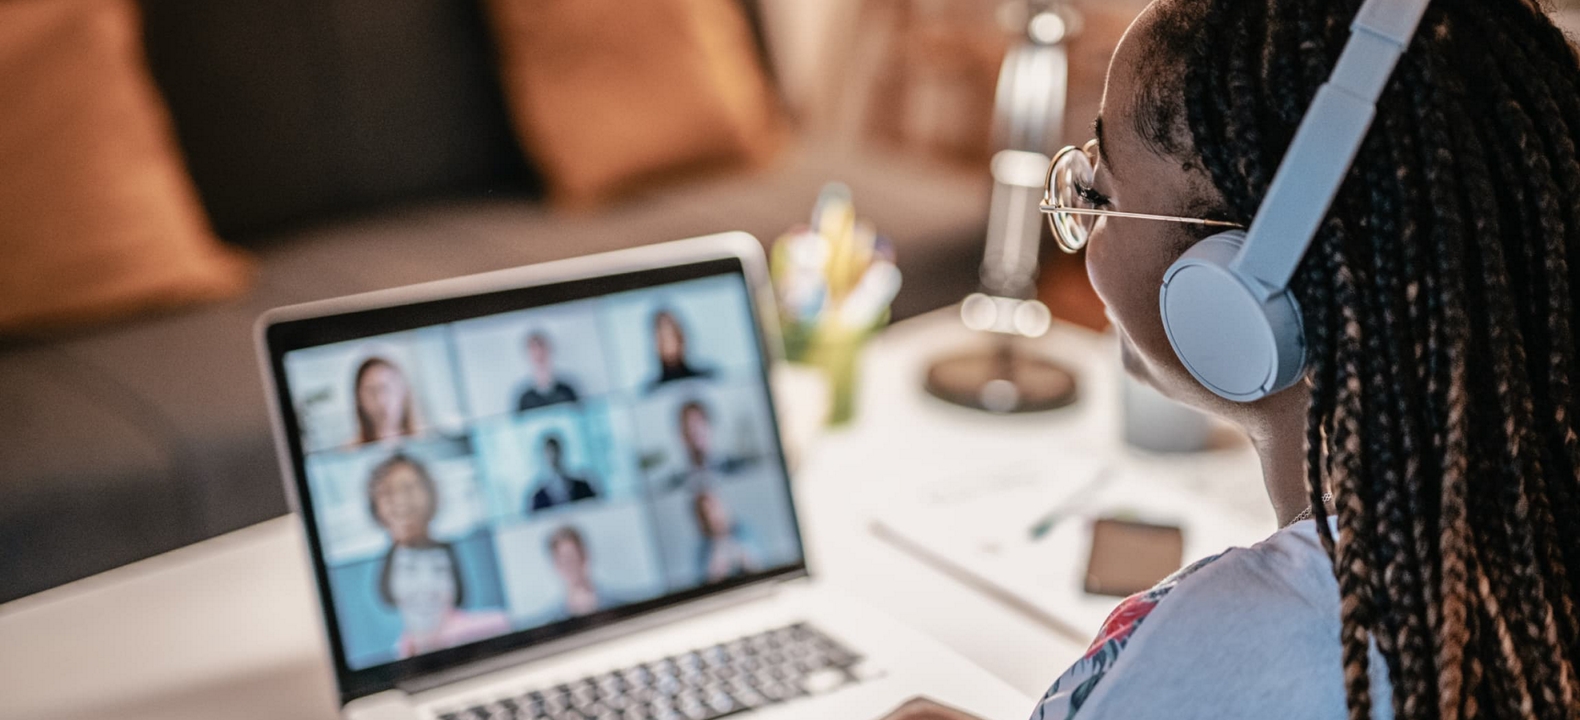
x=1029 y=110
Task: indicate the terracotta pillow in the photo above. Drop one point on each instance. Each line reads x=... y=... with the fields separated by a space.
x=607 y=95
x=98 y=218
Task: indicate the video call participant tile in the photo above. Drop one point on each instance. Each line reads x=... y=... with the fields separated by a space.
x=381 y=389
x=411 y=563
x=661 y=339
x=704 y=434
x=577 y=563
x=555 y=458
x=522 y=361
x=717 y=532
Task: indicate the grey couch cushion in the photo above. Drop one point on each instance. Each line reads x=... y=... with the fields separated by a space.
x=90 y=478
x=139 y=438
x=936 y=216
x=296 y=109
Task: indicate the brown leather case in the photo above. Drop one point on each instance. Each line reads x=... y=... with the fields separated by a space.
x=1130 y=557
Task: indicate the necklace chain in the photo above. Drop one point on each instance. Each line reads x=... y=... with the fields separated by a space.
x=1305 y=514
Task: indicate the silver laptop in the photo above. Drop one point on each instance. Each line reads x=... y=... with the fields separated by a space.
x=559 y=492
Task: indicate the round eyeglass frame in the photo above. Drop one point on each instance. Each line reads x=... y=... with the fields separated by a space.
x=1072 y=225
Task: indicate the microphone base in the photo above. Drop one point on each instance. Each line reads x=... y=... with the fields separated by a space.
x=1004 y=380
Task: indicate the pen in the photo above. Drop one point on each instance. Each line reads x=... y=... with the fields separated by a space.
x=1045 y=524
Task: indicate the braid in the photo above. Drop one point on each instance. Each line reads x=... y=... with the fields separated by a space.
x=1562 y=106
x=1239 y=104
x=1438 y=301
x=1199 y=92
x=1319 y=331
x=1398 y=487
x=1353 y=546
x=1548 y=267
x=1456 y=683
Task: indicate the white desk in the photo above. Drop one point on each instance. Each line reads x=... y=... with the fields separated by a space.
x=228 y=628
x=903 y=436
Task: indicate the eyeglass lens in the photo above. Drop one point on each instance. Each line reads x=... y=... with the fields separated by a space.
x=1072 y=169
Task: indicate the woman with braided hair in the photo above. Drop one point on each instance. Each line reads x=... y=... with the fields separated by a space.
x=1425 y=466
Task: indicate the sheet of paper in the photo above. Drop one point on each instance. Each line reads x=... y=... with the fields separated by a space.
x=977 y=522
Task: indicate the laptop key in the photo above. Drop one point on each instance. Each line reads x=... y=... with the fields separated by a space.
x=773 y=691
x=721 y=702
x=663 y=709
x=823 y=681
x=748 y=698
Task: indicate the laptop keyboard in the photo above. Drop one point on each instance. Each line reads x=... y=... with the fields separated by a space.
x=738 y=676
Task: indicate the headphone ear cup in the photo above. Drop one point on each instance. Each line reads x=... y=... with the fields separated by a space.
x=1238 y=339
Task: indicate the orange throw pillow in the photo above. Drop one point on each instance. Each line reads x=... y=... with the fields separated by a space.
x=607 y=95
x=98 y=218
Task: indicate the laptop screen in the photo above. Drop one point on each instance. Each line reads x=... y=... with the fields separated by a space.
x=484 y=473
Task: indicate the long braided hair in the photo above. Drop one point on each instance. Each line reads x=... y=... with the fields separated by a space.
x=1439 y=309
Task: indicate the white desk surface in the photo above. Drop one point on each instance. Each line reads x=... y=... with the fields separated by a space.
x=229 y=627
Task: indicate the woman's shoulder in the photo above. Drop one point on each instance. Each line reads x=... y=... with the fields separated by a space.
x=1287 y=577
x=1287 y=573
x=1215 y=634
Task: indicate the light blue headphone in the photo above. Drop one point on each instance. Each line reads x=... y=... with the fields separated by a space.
x=1226 y=303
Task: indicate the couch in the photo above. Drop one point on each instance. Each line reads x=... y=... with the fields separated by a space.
x=349 y=145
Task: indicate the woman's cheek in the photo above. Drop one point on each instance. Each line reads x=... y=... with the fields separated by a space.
x=1097 y=266
x=1113 y=271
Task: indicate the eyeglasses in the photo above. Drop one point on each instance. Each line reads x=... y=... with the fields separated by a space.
x=1067 y=193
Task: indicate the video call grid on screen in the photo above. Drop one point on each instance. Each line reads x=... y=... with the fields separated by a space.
x=503 y=473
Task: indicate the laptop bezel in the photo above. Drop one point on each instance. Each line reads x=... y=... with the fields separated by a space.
x=283 y=330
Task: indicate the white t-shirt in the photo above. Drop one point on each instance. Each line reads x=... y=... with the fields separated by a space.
x=1251 y=633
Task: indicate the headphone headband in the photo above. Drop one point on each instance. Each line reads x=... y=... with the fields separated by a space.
x=1326 y=142
x=1225 y=303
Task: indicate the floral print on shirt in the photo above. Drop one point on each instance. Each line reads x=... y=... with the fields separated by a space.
x=1070 y=691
